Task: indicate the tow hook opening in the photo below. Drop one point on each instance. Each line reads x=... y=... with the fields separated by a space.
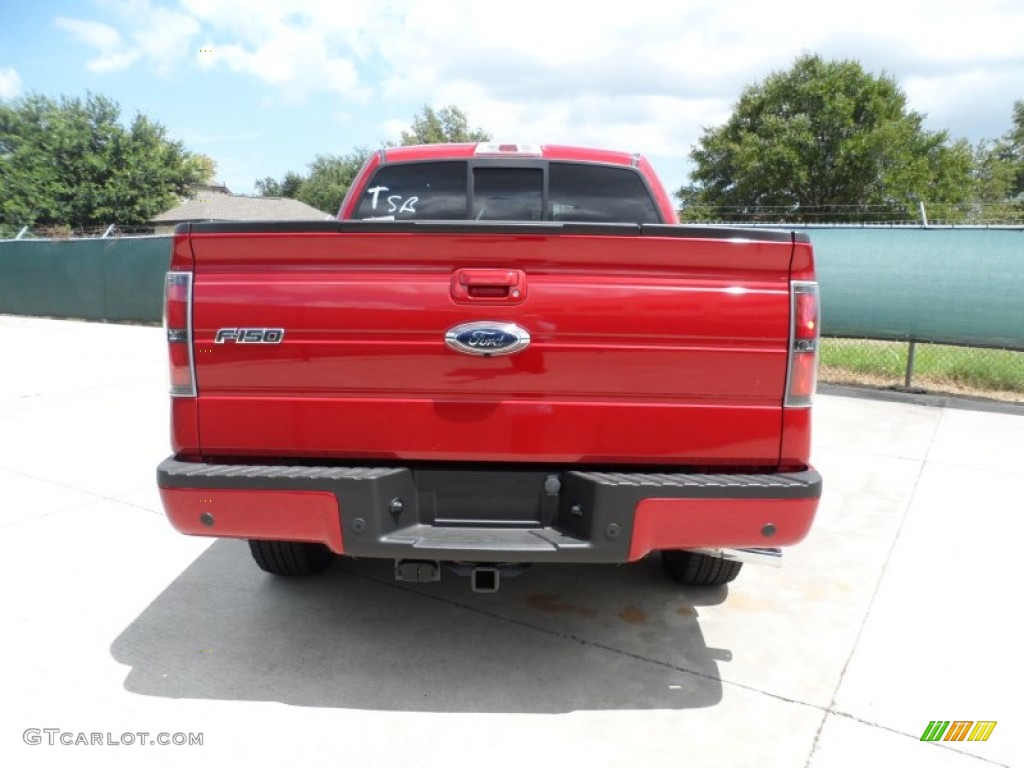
x=485 y=578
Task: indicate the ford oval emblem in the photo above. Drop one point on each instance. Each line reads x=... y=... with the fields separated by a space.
x=486 y=338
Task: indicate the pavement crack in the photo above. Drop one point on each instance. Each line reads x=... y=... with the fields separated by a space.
x=896 y=732
x=831 y=709
x=95 y=496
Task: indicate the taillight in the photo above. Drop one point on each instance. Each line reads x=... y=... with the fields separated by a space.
x=805 y=314
x=178 y=325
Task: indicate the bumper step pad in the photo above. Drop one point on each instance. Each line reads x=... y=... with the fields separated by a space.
x=558 y=515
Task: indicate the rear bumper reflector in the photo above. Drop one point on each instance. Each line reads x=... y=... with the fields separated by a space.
x=274 y=515
x=733 y=523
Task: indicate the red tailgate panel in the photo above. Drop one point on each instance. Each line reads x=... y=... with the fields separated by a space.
x=509 y=430
x=644 y=349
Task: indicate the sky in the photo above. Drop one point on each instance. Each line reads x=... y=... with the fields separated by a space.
x=263 y=86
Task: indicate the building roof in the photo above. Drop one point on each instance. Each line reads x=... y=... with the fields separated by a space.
x=219 y=207
x=198 y=190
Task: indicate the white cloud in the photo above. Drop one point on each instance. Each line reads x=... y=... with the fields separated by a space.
x=650 y=80
x=647 y=79
x=157 y=35
x=10 y=83
x=113 y=55
x=92 y=33
x=294 y=61
x=974 y=103
x=295 y=48
x=165 y=38
x=392 y=128
x=941 y=36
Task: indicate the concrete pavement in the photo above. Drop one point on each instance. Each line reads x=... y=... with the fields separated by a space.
x=897 y=610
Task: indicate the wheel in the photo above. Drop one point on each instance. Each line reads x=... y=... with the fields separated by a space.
x=290 y=558
x=699 y=570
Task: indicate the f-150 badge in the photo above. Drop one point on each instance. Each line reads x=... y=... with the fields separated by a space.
x=487 y=338
x=250 y=335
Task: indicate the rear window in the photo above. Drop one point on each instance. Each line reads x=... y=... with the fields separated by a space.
x=600 y=193
x=508 y=194
x=424 y=191
x=440 y=191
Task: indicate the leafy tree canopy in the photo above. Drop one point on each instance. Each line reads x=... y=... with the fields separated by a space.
x=329 y=179
x=325 y=185
x=206 y=166
x=448 y=125
x=288 y=186
x=1000 y=164
x=71 y=162
x=1012 y=147
x=824 y=137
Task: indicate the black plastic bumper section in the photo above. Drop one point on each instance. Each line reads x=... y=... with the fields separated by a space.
x=488 y=515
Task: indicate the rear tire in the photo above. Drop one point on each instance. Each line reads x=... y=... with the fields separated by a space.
x=290 y=558
x=697 y=570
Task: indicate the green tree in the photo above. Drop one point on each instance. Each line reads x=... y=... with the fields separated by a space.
x=1012 y=148
x=447 y=125
x=824 y=139
x=325 y=185
x=329 y=179
x=71 y=162
x=288 y=186
x=1000 y=164
x=206 y=166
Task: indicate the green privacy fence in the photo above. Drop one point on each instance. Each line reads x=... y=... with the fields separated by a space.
x=957 y=286
x=954 y=286
x=116 y=279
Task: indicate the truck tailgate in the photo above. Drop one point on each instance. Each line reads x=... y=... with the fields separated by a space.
x=649 y=345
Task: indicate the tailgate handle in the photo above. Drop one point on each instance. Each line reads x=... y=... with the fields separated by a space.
x=494 y=285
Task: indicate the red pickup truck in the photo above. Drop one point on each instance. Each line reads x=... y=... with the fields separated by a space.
x=497 y=355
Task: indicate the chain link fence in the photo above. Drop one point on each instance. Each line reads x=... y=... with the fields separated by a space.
x=940 y=368
x=922 y=214
x=65 y=232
